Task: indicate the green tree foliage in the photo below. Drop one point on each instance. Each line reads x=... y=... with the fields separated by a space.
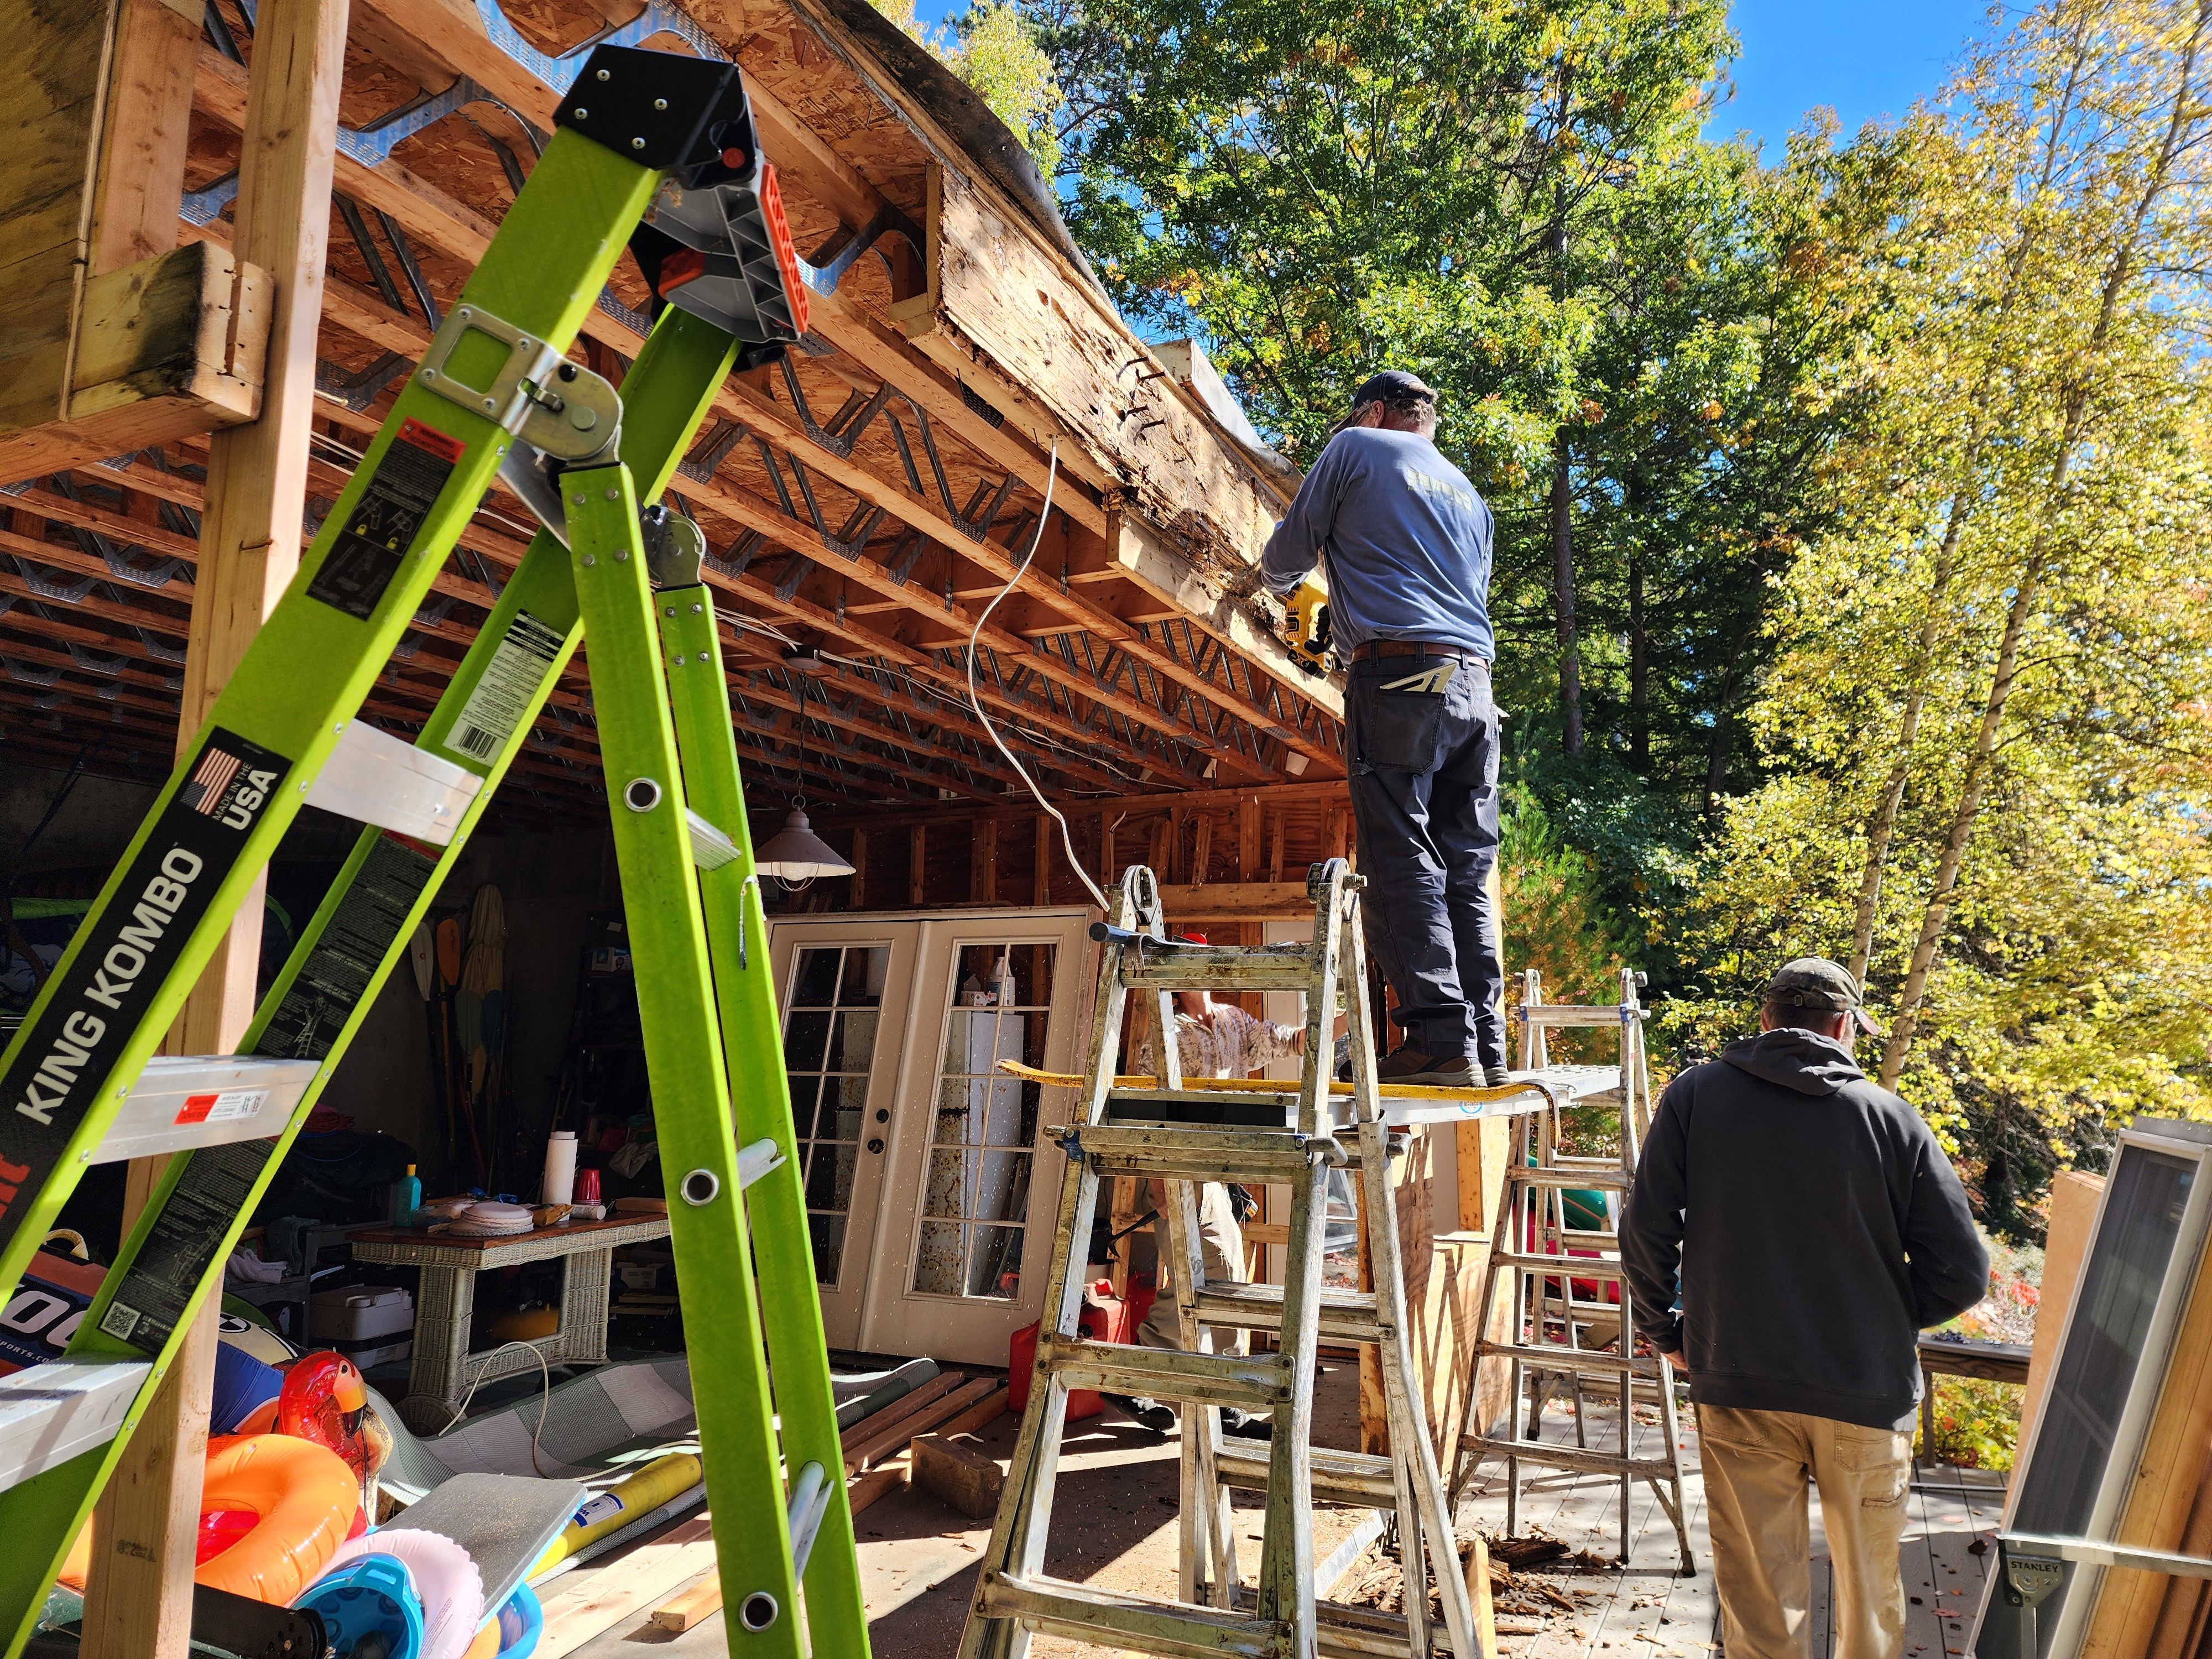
x=994 y=48
x=1852 y=503
x=1985 y=714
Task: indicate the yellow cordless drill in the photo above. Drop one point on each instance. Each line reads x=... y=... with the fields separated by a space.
x=1305 y=624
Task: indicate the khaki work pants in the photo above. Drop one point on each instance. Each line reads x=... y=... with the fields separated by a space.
x=1756 y=1467
x=1222 y=1241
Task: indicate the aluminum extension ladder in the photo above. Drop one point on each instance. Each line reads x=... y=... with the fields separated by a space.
x=661 y=138
x=1183 y=1137
x=1559 y=1342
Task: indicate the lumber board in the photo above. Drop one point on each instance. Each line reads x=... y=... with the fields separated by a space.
x=896 y=1436
x=636 y=1579
x=1236 y=901
x=692 y=1606
x=876 y=1424
x=2074 y=1197
x=147 y=137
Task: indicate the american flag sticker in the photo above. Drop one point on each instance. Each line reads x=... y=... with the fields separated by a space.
x=204 y=790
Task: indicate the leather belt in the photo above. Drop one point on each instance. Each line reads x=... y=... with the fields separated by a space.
x=1376 y=649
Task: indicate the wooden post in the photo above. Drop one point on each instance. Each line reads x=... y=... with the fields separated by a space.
x=1336 y=838
x=1046 y=844
x=1107 y=872
x=1162 y=842
x=1277 y=834
x=916 y=852
x=856 y=895
x=1201 y=850
x=138 y=1603
x=1248 y=869
x=983 y=860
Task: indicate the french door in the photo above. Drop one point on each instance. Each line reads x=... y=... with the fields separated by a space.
x=937 y=1241
x=844 y=992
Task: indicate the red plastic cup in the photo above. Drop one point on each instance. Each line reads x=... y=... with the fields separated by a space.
x=588 y=1186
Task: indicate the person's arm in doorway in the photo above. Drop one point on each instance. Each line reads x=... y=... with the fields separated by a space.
x=1651 y=1227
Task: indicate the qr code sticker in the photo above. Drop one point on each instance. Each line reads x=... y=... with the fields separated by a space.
x=121 y=1322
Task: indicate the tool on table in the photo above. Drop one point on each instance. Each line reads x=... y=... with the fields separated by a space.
x=663 y=135
x=1559 y=1338
x=1285 y=1134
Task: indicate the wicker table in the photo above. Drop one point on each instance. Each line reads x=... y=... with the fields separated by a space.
x=444 y=1369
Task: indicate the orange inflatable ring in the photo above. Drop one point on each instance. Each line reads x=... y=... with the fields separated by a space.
x=307 y=1498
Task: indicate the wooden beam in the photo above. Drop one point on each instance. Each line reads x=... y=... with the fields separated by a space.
x=1317 y=795
x=917 y=853
x=139 y=1598
x=1047 y=842
x=856 y=892
x=983 y=861
x=1237 y=902
x=167 y=347
x=148 y=133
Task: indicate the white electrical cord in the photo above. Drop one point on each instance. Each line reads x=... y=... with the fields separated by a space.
x=976 y=702
x=545 y=1400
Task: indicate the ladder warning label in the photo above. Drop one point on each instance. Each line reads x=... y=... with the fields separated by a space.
x=216 y=1190
x=385 y=520
x=225 y=1108
x=518 y=668
x=123 y=957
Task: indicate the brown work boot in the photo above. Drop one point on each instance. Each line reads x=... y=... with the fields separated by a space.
x=1403 y=1066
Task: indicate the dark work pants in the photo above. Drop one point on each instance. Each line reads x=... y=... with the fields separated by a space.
x=1424 y=764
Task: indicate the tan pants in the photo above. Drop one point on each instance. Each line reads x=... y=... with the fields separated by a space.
x=1223 y=1242
x=1756 y=1467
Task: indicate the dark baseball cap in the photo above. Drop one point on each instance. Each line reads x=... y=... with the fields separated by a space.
x=1817 y=982
x=1391 y=385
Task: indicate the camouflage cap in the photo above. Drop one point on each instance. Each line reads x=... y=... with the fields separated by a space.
x=1816 y=982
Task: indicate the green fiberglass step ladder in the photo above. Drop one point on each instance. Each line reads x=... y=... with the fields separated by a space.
x=650 y=149
x=1182 y=1137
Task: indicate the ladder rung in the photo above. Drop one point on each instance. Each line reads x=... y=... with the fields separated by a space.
x=1137 y=1108
x=1602 y=1015
x=373 y=777
x=1339 y=1477
x=1256 y=1156
x=756 y=1160
x=1528 y=1174
x=1348 y=1633
x=710 y=848
x=1346 y=1316
x=1568 y=1359
x=1258 y=1383
x=1222 y=968
x=50 y=1413
x=1561 y=1266
x=1083 y=1613
x=1573 y=1457
x=183 y=1101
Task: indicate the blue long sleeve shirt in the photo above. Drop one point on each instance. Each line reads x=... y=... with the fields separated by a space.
x=1406 y=539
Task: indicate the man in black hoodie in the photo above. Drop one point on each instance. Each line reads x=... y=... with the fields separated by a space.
x=1791 y=1229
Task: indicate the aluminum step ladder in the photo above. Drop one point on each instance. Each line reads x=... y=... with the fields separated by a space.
x=1560 y=1342
x=663 y=137
x=1291 y=1136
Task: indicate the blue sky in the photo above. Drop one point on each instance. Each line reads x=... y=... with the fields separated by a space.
x=1864 y=58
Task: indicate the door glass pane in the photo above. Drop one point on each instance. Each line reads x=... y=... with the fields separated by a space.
x=828 y=1051
x=977 y=1191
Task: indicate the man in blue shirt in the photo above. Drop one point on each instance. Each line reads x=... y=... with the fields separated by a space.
x=1406 y=541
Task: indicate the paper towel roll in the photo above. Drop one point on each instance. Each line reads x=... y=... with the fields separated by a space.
x=560 y=1168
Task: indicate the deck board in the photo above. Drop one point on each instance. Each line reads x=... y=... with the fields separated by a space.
x=1646 y=1612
